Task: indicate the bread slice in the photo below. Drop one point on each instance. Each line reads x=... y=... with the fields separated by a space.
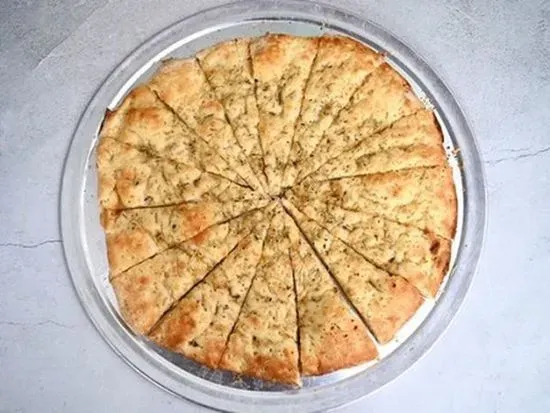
x=332 y=336
x=229 y=71
x=134 y=235
x=264 y=342
x=200 y=323
x=384 y=301
x=384 y=98
x=341 y=66
x=419 y=256
x=183 y=86
x=130 y=178
x=421 y=197
x=144 y=122
x=411 y=142
x=145 y=291
x=281 y=65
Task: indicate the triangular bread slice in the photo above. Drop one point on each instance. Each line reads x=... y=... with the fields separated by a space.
x=422 y=197
x=130 y=178
x=411 y=142
x=341 y=66
x=332 y=336
x=134 y=235
x=200 y=323
x=229 y=71
x=384 y=301
x=281 y=66
x=264 y=341
x=384 y=98
x=183 y=86
x=417 y=255
x=145 y=291
x=143 y=121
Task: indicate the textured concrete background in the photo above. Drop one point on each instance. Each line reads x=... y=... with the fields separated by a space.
x=496 y=58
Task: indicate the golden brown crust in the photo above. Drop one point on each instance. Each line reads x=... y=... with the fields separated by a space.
x=198 y=326
x=145 y=291
x=136 y=234
x=417 y=255
x=422 y=197
x=332 y=337
x=144 y=122
x=384 y=301
x=341 y=66
x=381 y=100
x=129 y=178
x=411 y=142
x=228 y=69
x=281 y=66
x=128 y=243
x=188 y=161
x=183 y=86
x=264 y=342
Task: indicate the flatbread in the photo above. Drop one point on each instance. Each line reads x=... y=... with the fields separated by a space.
x=281 y=65
x=341 y=66
x=183 y=86
x=384 y=98
x=229 y=71
x=384 y=301
x=264 y=342
x=129 y=178
x=419 y=256
x=143 y=121
x=145 y=291
x=199 y=325
x=134 y=235
x=411 y=142
x=332 y=336
x=421 y=197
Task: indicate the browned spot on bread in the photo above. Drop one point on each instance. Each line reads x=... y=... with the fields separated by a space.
x=180 y=327
x=281 y=369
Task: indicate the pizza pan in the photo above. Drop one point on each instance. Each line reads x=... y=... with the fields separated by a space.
x=83 y=238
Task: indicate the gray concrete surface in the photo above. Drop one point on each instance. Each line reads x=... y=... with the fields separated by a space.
x=495 y=55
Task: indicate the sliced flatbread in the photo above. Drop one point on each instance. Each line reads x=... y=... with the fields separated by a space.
x=134 y=235
x=417 y=255
x=384 y=301
x=341 y=66
x=145 y=291
x=229 y=71
x=199 y=325
x=183 y=86
x=384 y=98
x=143 y=121
x=130 y=178
x=264 y=341
x=422 y=197
x=411 y=142
x=281 y=65
x=332 y=336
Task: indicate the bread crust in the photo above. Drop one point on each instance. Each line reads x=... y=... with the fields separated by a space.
x=200 y=323
x=332 y=336
x=281 y=65
x=384 y=301
x=264 y=342
x=145 y=291
x=340 y=67
x=134 y=235
x=363 y=207
x=228 y=69
x=382 y=99
x=183 y=86
x=421 y=197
